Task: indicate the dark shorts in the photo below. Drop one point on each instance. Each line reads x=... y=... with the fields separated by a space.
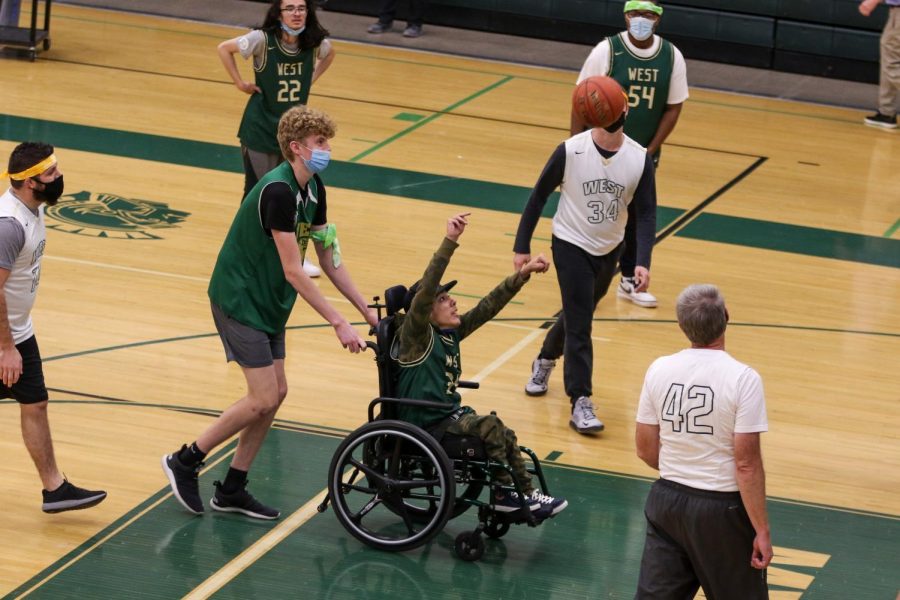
x=245 y=345
x=30 y=388
x=697 y=538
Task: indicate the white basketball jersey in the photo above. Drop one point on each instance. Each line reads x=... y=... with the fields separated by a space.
x=21 y=286
x=700 y=398
x=595 y=194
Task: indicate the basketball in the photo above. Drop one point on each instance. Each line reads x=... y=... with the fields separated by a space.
x=598 y=101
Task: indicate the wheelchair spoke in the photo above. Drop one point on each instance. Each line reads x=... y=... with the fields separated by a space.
x=412 y=485
x=346 y=487
x=404 y=514
x=370 y=472
x=366 y=509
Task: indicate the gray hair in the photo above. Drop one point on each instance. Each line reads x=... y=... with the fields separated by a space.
x=701 y=313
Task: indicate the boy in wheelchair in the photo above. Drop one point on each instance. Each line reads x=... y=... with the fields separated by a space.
x=429 y=360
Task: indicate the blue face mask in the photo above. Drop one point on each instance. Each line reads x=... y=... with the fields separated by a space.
x=640 y=28
x=292 y=31
x=318 y=161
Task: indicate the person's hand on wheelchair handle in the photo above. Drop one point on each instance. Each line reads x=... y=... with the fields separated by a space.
x=456 y=225
x=349 y=338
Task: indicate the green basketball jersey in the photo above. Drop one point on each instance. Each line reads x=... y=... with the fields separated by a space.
x=433 y=376
x=284 y=78
x=646 y=81
x=248 y=281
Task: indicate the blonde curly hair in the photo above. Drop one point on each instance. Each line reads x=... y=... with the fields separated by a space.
x=299 y=122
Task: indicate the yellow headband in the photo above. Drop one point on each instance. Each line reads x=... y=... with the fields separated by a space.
x=32 y=171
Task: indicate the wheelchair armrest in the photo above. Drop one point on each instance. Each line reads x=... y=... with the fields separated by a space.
x=472 y=385
x=406 y=401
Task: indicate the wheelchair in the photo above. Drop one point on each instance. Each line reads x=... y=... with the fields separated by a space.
x=394 y=485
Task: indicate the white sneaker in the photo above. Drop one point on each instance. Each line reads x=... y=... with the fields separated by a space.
x=626 y=290
x=311 y=269
x=540 y=374
x=583 y=418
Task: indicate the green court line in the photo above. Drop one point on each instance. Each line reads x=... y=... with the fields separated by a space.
x=407 y=116
x=320 y=556
x=429 y=119
x=501 y=319
x=419 y=63
x=480 y=297
x=892 y=229
x=448 y=190
x=796 y=239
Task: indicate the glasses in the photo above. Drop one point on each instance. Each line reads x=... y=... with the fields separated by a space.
x=290 y=8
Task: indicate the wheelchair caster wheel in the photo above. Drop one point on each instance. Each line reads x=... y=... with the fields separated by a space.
x=469 y=546
x=496 y=529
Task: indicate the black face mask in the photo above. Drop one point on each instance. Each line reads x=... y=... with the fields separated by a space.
x=616 y=125
x=52 y=191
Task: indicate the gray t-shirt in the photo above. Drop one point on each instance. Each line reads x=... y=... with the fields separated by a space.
x=12 y=240
x=254 y=44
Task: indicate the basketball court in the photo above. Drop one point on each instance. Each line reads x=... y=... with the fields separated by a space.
x=791 y=208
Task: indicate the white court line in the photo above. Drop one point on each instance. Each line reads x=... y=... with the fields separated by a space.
x=249 y=556
x=91 y=263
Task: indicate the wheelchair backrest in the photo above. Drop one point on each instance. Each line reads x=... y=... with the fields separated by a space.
x=385 y=337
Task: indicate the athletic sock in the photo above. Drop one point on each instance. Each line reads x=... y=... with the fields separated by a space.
x=234 y=481
x=191 y=455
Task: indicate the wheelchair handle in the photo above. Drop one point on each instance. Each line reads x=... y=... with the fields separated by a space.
x=472 y=385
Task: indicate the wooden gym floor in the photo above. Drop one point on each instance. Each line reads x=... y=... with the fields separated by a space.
x=792 y=209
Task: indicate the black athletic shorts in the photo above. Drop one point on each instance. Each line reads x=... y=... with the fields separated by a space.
x=30 y=388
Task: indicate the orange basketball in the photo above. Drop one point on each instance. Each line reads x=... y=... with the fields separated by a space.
x=598 y=101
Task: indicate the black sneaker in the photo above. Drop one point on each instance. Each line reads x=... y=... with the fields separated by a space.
x=70 y=497
x=242 y=502
x=184 y=482
x=880 y=120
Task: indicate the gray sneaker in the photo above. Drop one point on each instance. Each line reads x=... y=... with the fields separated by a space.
x=412 y=31
x=583 y=418
x=540 y=374
x=379 y=27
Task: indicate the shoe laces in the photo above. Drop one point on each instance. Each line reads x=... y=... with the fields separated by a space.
x=539 y=496
x=542 y=371
x=587 y=409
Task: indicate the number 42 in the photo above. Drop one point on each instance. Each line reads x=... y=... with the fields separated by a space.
x=686 y=414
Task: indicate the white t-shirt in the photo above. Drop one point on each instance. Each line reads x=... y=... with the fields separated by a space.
x=595 y=193
x=253 y=44
x=597 y=63
x=700 y=398
x=25 y=275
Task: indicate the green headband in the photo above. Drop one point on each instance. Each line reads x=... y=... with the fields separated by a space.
x=643 y=5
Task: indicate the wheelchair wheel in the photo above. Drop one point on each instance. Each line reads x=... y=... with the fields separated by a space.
x=496 y=528
x=391 y=485
x=469 y=546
